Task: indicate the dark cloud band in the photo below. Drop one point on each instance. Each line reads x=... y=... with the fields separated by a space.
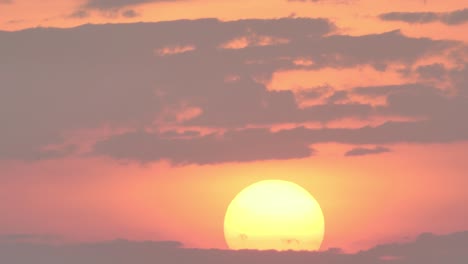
x=116 y=4
x=456 y=17
x=427 y=248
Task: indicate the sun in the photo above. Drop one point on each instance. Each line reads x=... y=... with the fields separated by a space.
x=274 y=215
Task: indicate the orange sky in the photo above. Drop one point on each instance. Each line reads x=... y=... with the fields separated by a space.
x=355 y=17
x=366 y=200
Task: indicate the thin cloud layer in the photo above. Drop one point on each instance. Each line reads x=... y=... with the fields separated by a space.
x=456 y=17
x=28 y=238
x=427 y=248
x=117 y=4
x=248 y=145
x=285 y=144
x=325 y=1
x=366 y=151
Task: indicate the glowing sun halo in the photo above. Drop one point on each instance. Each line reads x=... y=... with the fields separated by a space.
x=274 y=214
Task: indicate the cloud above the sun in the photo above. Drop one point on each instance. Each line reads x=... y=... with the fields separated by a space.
x=116 y=4
x=199 y=91
x=456 y=17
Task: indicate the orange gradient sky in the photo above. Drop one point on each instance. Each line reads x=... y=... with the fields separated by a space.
x=366 y=201
x=84 y=193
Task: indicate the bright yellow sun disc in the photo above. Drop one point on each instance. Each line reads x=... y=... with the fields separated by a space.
x=274 y=214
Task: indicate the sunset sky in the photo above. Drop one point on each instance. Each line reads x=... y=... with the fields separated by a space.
x=142 y=119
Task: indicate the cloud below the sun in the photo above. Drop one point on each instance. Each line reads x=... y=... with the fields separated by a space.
x=427 y=248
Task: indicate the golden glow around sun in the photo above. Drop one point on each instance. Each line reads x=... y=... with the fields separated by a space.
x=274 y=214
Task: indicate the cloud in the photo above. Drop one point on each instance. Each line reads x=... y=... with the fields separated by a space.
x=85 y=13
x=109 y=77
x=117 y=4
x=437 y=120
x=432 y=71
x=233 y=146
x=427 y=248
x=118 y=251
x=284 y=144
x=28 y=238
x=366 y=151
x=456 y=17
x=411 y=17
x=325 y=1
x=115 y=76
x=6 y=1
x=79 y=14
x=130 y=13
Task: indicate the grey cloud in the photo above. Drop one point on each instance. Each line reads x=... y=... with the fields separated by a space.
x=15 y=21
x=79 y=14
x=432 y=71
x=185 y=134
x=337 y=96
x=337 y=51
x=441 y=115
x=28 y=238
x=385 y=90
x=427 y=248
x=93 y=75
x=118 y=251
x=416 y=17
x=459 y=78
x=130 y=13
x=260 y=144
x=419 y=101
x=58 y=80
x=366 y=151
x=233 y=146
x=325 y=1
x=314 y=92
x=434 y=131
x=456 y=17
x=381 y=48
x=116 y=4
x=247 y=102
